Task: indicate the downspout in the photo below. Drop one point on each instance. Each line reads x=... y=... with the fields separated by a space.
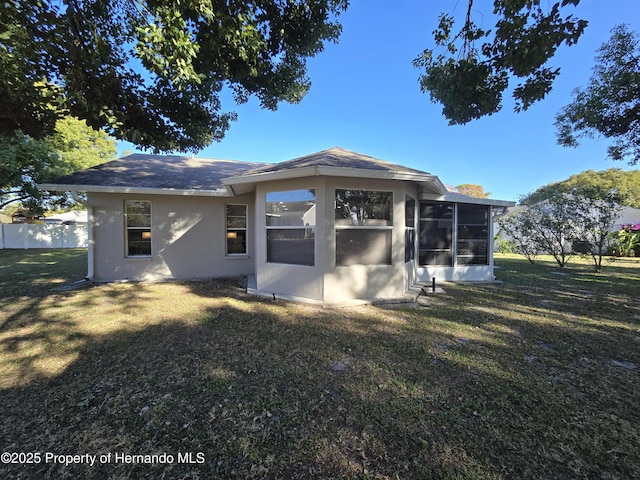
x=90 y=249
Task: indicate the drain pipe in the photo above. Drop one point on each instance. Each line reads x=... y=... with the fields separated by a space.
x=90 y=250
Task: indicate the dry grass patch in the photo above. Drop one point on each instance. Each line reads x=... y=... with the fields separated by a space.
x=537 y=378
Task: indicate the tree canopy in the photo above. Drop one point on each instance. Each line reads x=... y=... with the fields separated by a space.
x=609 y=106
x=474 y=70
x=473 y=190
x=26 y=162
x=152 y=72
x=626 y=185
x=563 y=223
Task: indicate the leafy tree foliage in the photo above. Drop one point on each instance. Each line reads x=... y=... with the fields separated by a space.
x=597 y=212
x=610 y=104
x=469 y=79
x=517 y=227
x=563 y=221
x=26 y=162
x=626 y=186
x=151 y=72
x=473 y=190
x=550 y=226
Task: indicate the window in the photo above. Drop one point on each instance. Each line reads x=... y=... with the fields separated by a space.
x=291 y=225
x=473 y=235
x=138 y=228
x=436 y=233
x=364 y=224
x=236 y=229
x=409 y=229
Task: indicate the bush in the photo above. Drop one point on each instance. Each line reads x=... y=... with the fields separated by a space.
x=626 y=242
x=506 y=246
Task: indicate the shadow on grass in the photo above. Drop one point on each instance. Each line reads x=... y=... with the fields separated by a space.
x=488 y=382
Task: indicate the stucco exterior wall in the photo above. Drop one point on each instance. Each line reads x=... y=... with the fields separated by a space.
x=366 y=282
x=466 y=273
x=188 y=238
x=324 y=281
x=285 y=280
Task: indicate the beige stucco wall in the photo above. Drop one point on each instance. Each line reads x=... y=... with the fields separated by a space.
x=325 y=282
x=463 y=273
x=296 y=281
x=367 y=282
x=188 y=238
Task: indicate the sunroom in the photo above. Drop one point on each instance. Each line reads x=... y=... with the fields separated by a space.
x=337 y=234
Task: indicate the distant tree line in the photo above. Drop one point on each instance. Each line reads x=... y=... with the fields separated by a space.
x=577 y=216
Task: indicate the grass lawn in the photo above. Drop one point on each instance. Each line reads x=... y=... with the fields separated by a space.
x=538 y=378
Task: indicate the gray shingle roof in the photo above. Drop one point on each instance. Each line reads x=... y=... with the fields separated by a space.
x=336 y=157
x=159 y=171
x=181 y=173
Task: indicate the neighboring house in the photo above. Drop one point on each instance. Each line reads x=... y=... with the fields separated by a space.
x=73 y=217
x=27 y=216
x=334 y=227
x=628 y=216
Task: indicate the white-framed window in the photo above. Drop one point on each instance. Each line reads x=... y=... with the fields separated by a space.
x=291 y=226
x=364 y=227
x=236 y=229
x=137 y=220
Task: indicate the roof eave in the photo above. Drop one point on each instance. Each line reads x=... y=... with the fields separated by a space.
x=460 y=198
x=328 y=171
x=224 y=192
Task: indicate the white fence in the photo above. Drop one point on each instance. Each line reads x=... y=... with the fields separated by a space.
x=14 y=235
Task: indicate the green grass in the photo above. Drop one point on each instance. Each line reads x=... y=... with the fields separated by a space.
x=535 y=379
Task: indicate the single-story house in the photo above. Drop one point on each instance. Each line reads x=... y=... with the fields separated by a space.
x=334 y=227
x=27 y=216
x=74 y=217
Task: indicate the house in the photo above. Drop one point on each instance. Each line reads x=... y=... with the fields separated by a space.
x=334 y=227
x=26 y=216
x=74 y=217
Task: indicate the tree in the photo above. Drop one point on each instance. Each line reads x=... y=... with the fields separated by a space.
x=78 y=146
x=151 y=72
x=566 y=218
x=517 y=227
x=597 y=213
x=609 y=106
x=626 y=185
x=553 y=226
x=469 y=80
x=26 y=162
x=472 y=190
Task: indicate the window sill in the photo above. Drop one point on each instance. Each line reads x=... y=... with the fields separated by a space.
x=237 y=256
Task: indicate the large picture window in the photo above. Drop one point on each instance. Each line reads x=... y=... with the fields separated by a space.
x=236 y=229
x=364 y=225
x=473 y=235
x=436 y=233
x=138 y=228
x=291 y=225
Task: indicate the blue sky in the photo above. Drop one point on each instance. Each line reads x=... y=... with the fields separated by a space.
x=365 y=97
